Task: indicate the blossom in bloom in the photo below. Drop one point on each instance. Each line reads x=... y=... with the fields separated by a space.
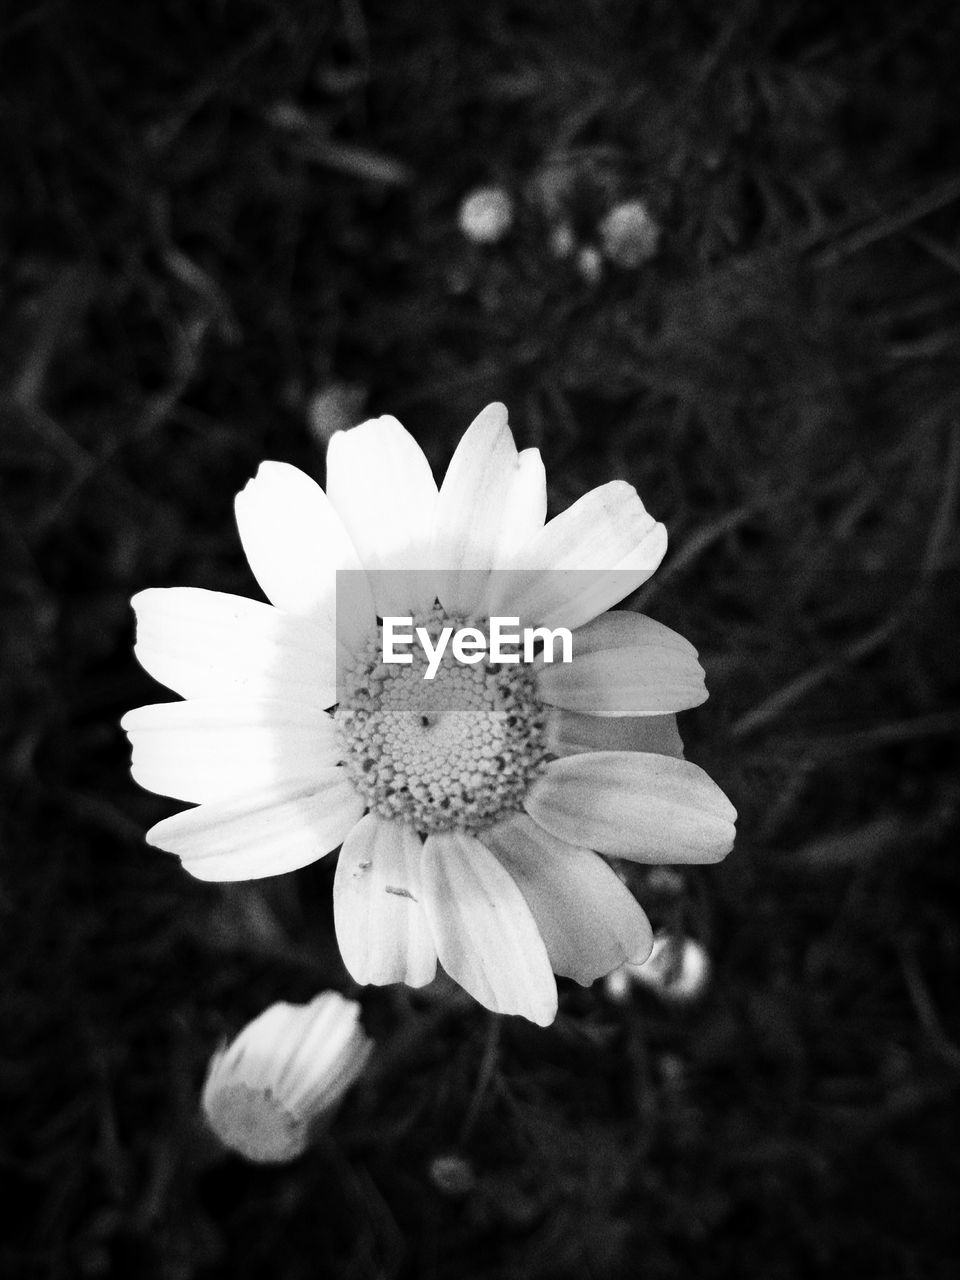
x=486 y=215
x=629 y=235
x=283 y=1075
x=473 y=811
x=677 y=970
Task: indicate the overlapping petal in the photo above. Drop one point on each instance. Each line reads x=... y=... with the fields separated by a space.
x=378 y=908
x=485 y=934
x=589 y=921
x=649 y=808
x=569 y=733
x=625 y=664
x=583 y=561
x=206 y=644
x=264 y=834
x=381 y=486
x=214 y=749
x=491 y=499
x=295 y=543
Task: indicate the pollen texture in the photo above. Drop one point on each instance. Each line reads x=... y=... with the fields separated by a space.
x=455 y=752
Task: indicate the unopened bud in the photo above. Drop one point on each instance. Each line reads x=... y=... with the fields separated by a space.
x=629 y=234
x=486 y=215
x=590 y=263
x=286 y=1070
x=563 y=242
x=677 y=970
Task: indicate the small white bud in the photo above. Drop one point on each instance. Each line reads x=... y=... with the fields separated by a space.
x=616 y=985
x=629 y=234
x=677 y=969
x=287 y=1070
x=486 y=215
x=563 y=242
x=337 y=407
x=590 y=263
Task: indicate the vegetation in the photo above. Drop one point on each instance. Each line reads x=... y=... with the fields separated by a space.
x=229 y=228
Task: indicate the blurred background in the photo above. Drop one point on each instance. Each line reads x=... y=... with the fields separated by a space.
x=229 y=229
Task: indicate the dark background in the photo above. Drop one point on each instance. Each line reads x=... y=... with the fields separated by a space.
x=213 y=210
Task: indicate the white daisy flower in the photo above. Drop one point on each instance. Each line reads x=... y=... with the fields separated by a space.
x=284 y=1074
x=472 y=824
x=486 y=215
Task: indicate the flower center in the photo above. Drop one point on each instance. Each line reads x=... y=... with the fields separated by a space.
x=457 y=751
x=252 y=1121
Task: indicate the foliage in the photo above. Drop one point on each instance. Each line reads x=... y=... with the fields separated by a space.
x=210 y=213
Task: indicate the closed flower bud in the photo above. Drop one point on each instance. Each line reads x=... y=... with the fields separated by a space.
x=563 y=241
x=286 y=1071
x=486 y=215
x=336 y=408
x=590 y=263
x=629 y=234
x=616 y=985
x=677 y=970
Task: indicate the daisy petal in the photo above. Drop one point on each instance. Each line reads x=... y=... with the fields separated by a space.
x=635 y=805
x=261 y=835
x=210 y=749
x=295 y=542
x=377 y=905
x=491 y=497
x=583 y=561
x=206 y=644
x=485 y=934
x=523 y=505
x=589 y=920
x=381 y=485
x=625 y=664
x=569 y=733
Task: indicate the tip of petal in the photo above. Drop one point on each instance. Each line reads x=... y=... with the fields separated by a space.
x=494 y=414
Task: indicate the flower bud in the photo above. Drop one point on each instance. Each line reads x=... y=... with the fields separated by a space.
x=677 y=969
x=286 y=1070
x=563 y=241
x=629 y=234
x=590 y=263
x=486 y=215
